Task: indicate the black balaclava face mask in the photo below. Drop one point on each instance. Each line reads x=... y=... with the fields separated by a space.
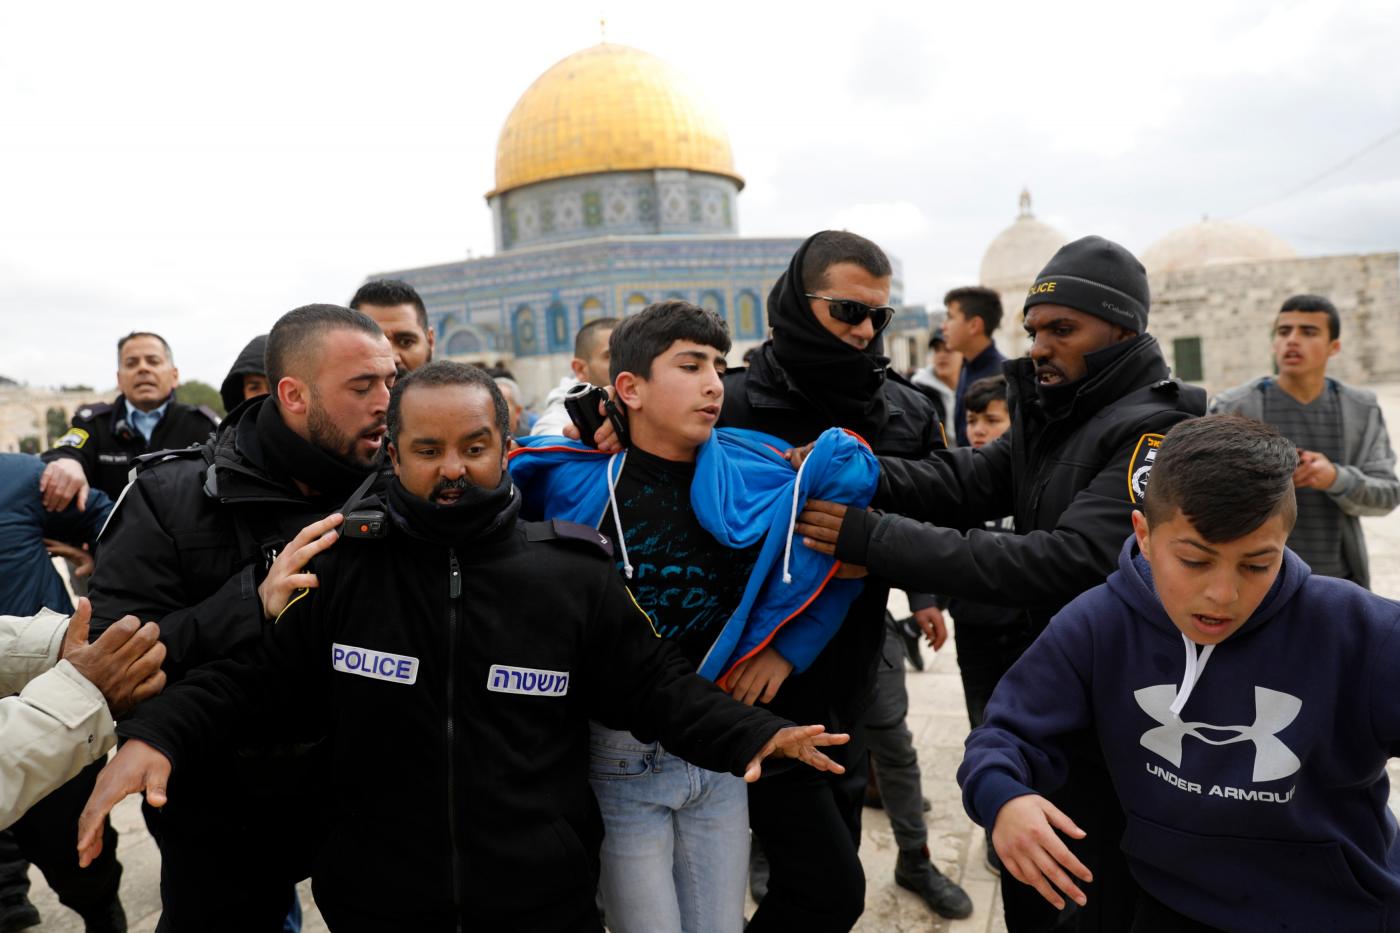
x=845 y=384
x=476 y=518
x=294 y=457
x=1060 y=397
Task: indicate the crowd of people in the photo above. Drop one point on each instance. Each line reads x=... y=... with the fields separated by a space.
x=374 y=627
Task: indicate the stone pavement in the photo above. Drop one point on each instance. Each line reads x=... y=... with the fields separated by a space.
x=936 y=717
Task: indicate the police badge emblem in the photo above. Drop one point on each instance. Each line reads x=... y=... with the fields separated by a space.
x=1144 y=454
x=75 y=438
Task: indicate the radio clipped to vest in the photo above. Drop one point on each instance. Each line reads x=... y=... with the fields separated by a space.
x=363 y=523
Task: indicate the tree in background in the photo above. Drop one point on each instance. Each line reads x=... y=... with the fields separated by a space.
x=55 y=424
x=195 y=392
x=29 y=445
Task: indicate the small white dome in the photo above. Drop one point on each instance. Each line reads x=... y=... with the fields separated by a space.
x=1020 y=251
x=1213 y=242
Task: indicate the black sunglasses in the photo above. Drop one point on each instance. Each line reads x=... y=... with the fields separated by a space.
x=848 y=311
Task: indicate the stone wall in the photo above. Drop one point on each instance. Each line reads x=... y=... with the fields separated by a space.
x=1231 y=307
x=24 y=412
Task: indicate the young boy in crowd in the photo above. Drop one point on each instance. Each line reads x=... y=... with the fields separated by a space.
x=1243 y=706
x=702 y=523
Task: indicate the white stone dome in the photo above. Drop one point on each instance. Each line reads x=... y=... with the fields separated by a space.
x=1020 y=251
x=1213 y=242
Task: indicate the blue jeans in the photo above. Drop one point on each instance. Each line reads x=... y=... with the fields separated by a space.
x=675 y=854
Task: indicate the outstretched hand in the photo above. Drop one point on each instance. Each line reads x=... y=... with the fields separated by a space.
x=820 y=525
x=286 y=575
x=137 y=767
x=605 y=438
x=758 y=678
x=123 y=664
x=1026 y=839
x=800 y=742
x=62 y=481
x=795 y=455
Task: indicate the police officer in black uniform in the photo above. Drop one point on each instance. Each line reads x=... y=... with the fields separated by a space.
x=194 y=539
x=455 y=655
x=105 y=437
x=1088 y=407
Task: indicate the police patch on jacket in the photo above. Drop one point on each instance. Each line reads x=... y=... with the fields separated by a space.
x=380 y=665
x=75 y=438
x=1140 y=466
x=503 y=678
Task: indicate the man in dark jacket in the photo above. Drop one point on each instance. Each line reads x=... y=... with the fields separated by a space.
x=195 y=538
x=1089 y=407
x=821 y=369
x=247 y=378
x=104 y=438
x=462 y=652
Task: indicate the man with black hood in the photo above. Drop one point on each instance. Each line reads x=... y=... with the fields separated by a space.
x=823 y=368
x=1089 y=407
x=248 y=376
x=198 y=536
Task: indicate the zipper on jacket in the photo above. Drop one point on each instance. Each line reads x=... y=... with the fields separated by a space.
x=454 y=590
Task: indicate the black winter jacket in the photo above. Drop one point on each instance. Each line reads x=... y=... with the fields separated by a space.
x=836 y=689
x=105 y=444
x=456 y=685
x=1071 y=481
x=188 y=544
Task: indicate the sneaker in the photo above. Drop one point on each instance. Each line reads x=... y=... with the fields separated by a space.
x=914 y=872
x=910 y=634
x=16 y=913
x=109 y=918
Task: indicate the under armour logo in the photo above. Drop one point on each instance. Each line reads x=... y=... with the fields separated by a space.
x=1273 y=711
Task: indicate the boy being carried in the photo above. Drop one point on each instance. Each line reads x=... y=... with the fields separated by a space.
x=1241 y=703
x=702 y=520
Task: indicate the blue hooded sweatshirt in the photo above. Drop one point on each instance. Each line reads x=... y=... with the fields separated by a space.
x=1252 y=775
x=743 y=492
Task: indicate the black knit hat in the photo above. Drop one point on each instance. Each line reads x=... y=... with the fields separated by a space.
x=1098 y=277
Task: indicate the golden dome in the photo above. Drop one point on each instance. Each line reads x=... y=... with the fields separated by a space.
x=609 y=108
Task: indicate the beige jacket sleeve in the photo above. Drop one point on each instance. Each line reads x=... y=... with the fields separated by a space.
x=56 y=726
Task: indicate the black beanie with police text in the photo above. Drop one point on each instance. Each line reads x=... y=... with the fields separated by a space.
x=1098 y=277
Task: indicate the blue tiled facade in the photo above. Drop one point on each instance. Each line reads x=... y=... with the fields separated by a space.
x=530 y=302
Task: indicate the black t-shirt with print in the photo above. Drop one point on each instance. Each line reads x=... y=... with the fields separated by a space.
x=688 y=582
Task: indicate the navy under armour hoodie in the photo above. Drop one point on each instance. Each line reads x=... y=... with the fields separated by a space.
x=1252 y=774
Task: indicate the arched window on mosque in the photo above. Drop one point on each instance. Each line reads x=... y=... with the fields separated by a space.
x=464 y=343
x=712 y=301
x=748 y=323
x=522 y=326
x=558 y=321
x=590 y=310
x=635 y=302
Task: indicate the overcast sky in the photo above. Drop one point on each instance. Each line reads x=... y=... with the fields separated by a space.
x=199 y=169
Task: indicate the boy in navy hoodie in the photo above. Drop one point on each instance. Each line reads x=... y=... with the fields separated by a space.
x=1244 y=708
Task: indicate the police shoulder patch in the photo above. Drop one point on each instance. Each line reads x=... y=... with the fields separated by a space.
x=558 y=529
x=75 y=438
x=88 y=412
x=1140 y=466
